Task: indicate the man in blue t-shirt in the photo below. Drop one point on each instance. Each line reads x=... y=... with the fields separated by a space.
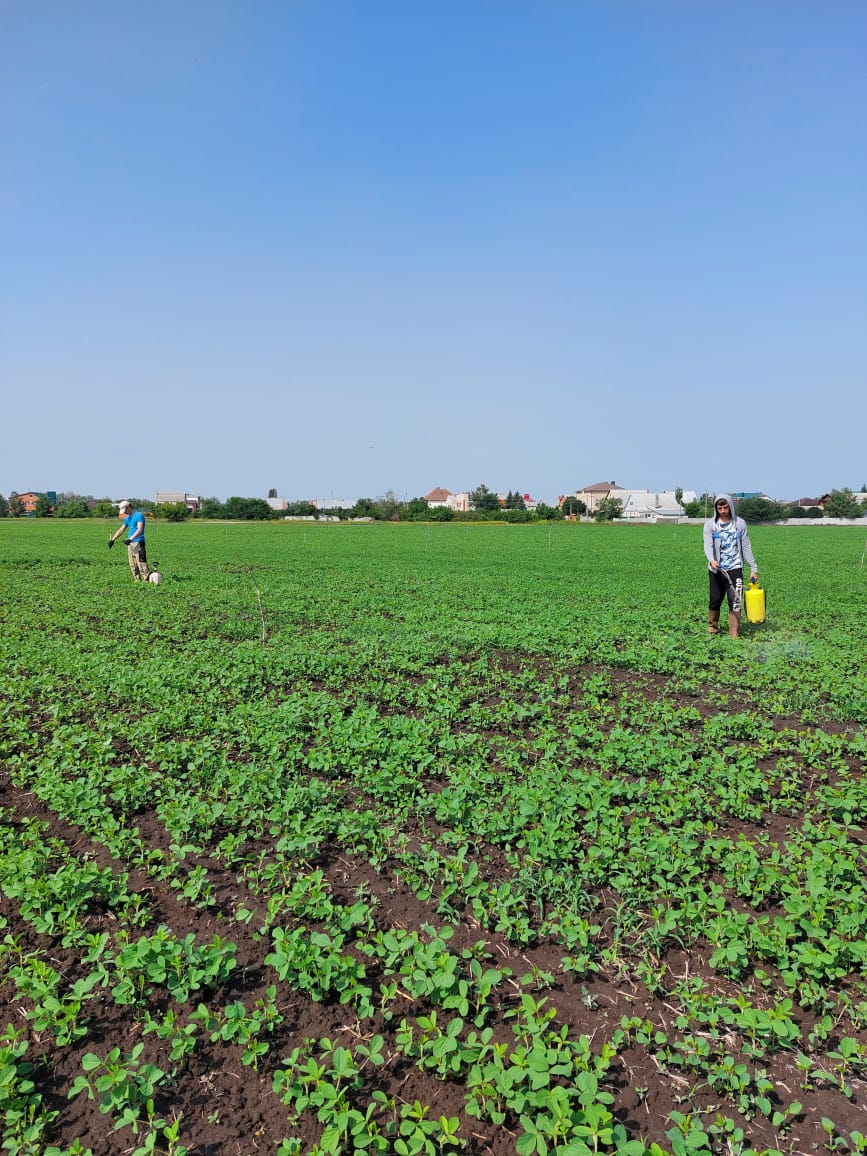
x=133 y=521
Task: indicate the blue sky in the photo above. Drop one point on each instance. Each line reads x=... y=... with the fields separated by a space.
x=344 y=247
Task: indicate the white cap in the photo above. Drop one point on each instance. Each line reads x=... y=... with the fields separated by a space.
x=124 y=505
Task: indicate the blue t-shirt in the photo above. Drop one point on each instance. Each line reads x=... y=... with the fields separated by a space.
x=729 y=548
x=135 y=527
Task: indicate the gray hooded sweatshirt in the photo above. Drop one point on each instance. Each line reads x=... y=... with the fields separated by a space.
x=712 y=536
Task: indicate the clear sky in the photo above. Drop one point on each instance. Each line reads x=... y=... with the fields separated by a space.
x=344 y=246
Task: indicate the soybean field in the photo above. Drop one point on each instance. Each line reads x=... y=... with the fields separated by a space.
x=423 y=839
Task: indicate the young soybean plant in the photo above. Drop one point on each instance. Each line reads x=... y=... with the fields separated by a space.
x=123 y=1086
x=24 y=1118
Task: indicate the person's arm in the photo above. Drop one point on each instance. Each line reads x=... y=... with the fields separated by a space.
x=747 y=551
x=114 y=537
x=708 y=546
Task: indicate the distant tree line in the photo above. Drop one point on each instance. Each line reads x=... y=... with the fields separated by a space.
x=838 y=504
x=387 y=507
x=485 y=506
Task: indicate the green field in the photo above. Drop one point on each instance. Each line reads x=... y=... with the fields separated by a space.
x=408 y=838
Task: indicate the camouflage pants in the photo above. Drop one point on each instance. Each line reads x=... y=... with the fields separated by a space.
x=138 y=561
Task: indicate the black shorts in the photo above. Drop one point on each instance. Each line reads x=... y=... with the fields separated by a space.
x=720 y=589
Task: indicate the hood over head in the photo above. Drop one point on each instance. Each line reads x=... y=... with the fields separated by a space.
x=726 y=498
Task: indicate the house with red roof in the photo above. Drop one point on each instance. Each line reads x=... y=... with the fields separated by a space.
x=30 y=498
x=438 y=497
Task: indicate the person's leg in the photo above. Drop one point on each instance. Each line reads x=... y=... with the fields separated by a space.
x=133 y=562
x=139 y=562
x=144 y=569
x=736 y=578
x=717 y=594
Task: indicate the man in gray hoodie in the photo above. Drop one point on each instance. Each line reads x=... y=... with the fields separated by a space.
x=727 y=547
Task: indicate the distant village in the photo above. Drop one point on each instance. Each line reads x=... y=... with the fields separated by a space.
x=600 y=501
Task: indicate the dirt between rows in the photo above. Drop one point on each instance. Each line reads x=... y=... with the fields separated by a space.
x=227 y=1108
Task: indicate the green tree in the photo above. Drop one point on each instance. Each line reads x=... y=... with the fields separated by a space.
x=211 y=508
x=272 y=493
x=678 y=494
x=795 y=512
x=16 y=508
x=247 y=509
x=483 y=500
x=701 y=507
x=441 y=514
x=301 y=509
x=608 y=509
x=546 y=513
x=573 y=505
x=43 y=507
x=70 y=496
x=843 y=504
x=172 y=511
x=363 y=508
x=760 y=510
x=387 y=507
x=815 y=512
x=4 y=507
x=72 y=508
x=417 y=509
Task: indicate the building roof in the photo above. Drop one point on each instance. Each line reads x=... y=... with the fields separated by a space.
x=599 y=488
x=333 y=503
x=438 y=495
x=165 y=497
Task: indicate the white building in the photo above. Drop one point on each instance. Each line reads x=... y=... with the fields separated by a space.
x=333 y=503
x=646 y=506
x=193 y=502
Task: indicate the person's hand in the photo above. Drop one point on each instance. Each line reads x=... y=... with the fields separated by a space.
x=714 y=565
x=110 y=543
x=754 y=576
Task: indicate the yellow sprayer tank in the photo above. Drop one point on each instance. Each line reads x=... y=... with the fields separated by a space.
x=754 y=598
